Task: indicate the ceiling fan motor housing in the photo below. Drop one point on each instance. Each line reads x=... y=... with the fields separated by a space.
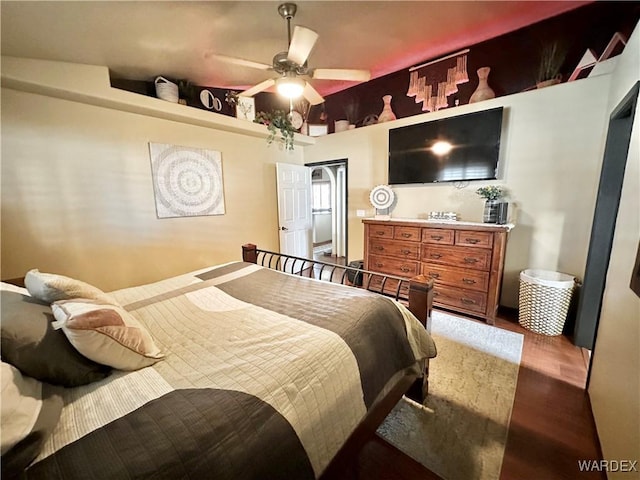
x=282 y=65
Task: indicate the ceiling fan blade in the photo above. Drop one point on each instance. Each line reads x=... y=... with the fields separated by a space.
x=341 y=74
x=250 y=92
x=301 y=45
x=312 y=95
x=240 y=61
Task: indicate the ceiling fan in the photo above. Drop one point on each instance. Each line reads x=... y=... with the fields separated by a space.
x=292 y=65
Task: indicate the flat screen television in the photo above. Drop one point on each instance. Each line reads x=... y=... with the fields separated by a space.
x=461 y=148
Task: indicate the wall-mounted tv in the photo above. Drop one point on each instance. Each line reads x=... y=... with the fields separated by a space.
x=460 y=148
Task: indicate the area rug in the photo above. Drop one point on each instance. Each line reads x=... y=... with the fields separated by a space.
x=460 y=432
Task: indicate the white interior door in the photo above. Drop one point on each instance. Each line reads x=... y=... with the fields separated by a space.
x=340 y=244
x=294 y=210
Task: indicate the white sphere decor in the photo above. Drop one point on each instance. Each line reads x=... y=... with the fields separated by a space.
x=382 y=197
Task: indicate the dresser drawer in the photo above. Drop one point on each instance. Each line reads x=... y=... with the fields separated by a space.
x=457 y=277
x=393 y=266
x=464 y=299
x=475 y=239
x=406 y=233
x=407 y=250
x=381 y=231
x=437 y=236
x=475 y=258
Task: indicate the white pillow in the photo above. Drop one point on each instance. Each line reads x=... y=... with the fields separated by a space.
x=21 y=404
x=106 y=333
x=50 y=287
x=9 y=287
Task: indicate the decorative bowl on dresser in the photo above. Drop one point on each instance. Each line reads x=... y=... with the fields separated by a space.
x=465 y=259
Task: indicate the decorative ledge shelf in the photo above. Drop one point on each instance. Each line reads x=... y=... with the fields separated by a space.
x=90 y=84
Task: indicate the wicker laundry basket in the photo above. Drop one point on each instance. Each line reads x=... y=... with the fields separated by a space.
x=544 y=300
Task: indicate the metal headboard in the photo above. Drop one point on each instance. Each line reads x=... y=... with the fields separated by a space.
x=325 y=271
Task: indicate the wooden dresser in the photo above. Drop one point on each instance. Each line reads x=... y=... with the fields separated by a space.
x=465 y=259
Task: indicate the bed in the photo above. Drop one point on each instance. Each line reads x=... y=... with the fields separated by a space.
x=234 y=371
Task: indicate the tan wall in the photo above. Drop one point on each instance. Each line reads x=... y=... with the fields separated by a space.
x=615 y=376
x=77 y=195
x=551 y=149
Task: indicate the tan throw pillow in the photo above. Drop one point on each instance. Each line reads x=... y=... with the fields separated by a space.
x=106 y=334
x=50 y=287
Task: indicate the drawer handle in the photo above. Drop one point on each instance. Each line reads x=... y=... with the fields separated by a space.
x=406 y=252
x=437 y=237
x=470 y=260
x=468 y=281
x=434 y=275
x=379 y=248
x=471 y=240
x=406 y=235
x=467 y=301
x=380 y=232
x=436 y=255
x=379 y=265
x=405 y=269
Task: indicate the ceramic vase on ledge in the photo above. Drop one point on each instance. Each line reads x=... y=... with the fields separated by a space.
x=484 y=91
x=387 y=114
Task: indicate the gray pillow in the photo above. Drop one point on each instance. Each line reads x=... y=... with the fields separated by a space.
x=30 y=344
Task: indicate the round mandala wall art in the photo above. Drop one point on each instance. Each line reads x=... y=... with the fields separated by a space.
x=187 y=181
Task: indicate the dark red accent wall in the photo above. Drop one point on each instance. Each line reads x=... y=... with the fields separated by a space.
x=513 y=59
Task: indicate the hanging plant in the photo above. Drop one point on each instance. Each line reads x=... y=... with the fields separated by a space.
x=277 y=122
x=231 y=97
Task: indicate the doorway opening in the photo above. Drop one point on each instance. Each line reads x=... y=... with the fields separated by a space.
x=329 y=210
x=604 y=221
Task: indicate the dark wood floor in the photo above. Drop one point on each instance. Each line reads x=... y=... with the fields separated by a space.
x=551 y=424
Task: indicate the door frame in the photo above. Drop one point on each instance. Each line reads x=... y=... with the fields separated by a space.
x=614 y=162
x=344 y=162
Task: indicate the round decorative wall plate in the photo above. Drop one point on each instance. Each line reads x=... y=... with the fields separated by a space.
x=296 y=119
x=382 y=196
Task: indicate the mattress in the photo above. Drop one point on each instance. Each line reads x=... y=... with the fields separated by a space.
x=265 y=375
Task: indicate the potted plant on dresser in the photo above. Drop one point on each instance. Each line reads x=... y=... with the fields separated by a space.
x=493 y=203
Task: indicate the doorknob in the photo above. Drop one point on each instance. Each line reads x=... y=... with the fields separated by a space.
x=284 y=228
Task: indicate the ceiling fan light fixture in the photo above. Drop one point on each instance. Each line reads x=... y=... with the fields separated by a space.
x=290 y=86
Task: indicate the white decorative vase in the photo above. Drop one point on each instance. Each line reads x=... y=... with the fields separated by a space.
x=341 y=125
x=387 y=114
x=166 y=90
x=484 y=91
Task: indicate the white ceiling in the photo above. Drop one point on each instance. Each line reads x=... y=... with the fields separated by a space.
x=143 y=39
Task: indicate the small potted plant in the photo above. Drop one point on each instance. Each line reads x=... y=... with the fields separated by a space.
x=491 y=192
x=493 y=197
x=277 y=121
x=552 y=57
x=351 y=110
